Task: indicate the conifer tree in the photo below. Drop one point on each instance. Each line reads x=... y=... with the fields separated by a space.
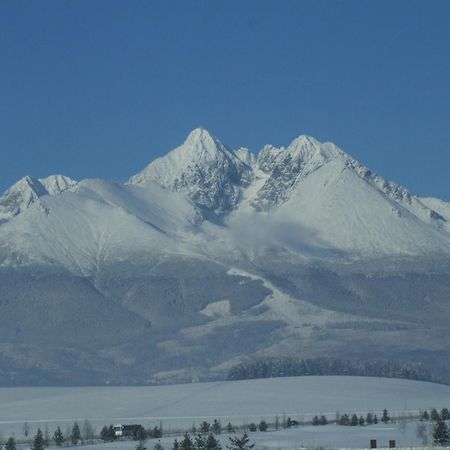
x=230 y=428
x=385 y=418
x=242 y=443
x=344 y=420
x=445 y=414
x=354 y=420
x=375 y=419
x=186 y=443
x=176 y=445
x=58 y=437
x=441 y=435
x=200 y=442
x=361 y=421
x=315 y=420
x=38 y=443
x=204 y=427
x=425 y=416
x=434 y=415
x=75 y=436
x=262 y=425
x=323 y=420
x=212 y=443
x=10 y=444
x=369 y=418
x=216 y=427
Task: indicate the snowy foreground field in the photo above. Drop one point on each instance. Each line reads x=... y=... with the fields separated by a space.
x=179 y=406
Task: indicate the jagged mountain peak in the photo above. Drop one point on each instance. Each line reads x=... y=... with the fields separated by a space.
x=202 y=167
x=26 y=192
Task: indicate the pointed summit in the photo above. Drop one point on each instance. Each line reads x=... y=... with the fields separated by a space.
x=201 y=135
x=209 y=172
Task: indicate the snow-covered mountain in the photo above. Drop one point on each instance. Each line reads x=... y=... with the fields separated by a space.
x=27 y=192
x=293 y=248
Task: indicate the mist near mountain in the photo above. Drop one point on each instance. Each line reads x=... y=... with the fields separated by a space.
x=211 y=254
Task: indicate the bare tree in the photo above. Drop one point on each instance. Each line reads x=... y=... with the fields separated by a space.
x=88 y=432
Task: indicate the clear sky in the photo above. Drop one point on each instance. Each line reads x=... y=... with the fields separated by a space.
x=100 y=88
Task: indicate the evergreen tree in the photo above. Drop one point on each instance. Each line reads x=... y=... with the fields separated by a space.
x=158 y=446
x=38 y=443
x=445 y=414
x=107 y=434
x=361 y=421
x=323 y=420
x=242 y=443
x=156 y=432
x=277 y=423
x=375 y=419
x=354 y=420
x=176 y=445
x=75 y=436
x=434 y=415
x=344 y=420
x=252 y=427
x=385 y=418
x=216 y=427
x=315 y=420
x=58 y=437
x=441 y=435
x=230 y=428
x=369 y=419
x=200 y=442
x=425 y=416
x=10 y=444
x=288 y=423
x=204 y=427
x=262 y=425
x=186 y=443
x=212 y=443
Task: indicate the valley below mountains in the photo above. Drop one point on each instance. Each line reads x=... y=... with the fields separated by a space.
x=212 y=255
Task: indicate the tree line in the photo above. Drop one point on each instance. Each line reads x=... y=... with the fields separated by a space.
x=271 y=367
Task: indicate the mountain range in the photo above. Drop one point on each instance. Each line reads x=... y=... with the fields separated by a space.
x=210 y=255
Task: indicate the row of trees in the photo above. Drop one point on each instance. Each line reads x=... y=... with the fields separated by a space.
x=370 y=419
x=434 y=415
x=287 y=367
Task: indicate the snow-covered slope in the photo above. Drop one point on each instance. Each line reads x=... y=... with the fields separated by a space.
x=94 y=222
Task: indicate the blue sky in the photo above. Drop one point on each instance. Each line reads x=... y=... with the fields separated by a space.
x=100 y=88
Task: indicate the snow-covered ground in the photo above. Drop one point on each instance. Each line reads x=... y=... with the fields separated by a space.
x=179 y=406
x=329 y=436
